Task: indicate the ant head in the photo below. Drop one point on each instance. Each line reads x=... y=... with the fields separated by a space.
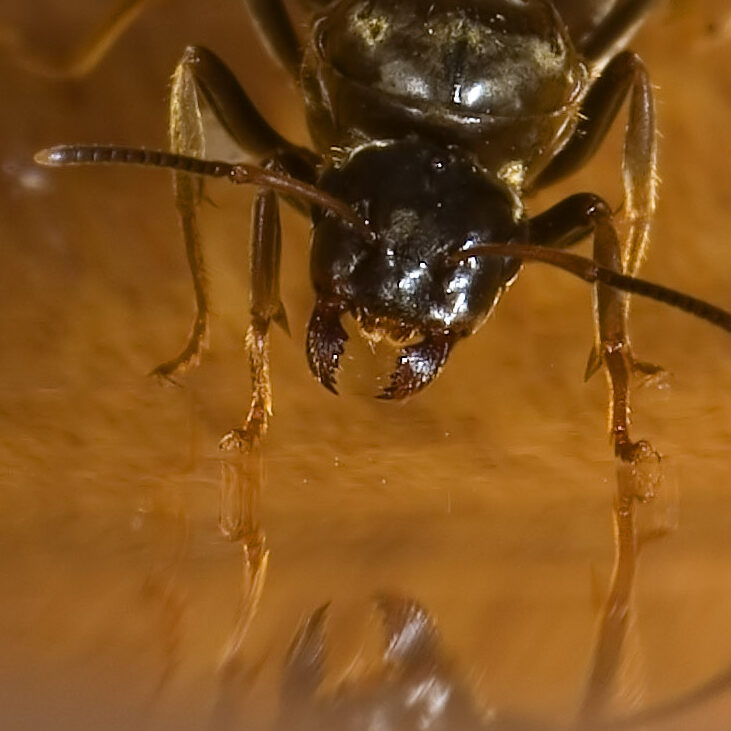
x=413 y=238
x=424 y=202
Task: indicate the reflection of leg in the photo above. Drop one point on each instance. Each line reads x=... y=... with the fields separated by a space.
x=241 y=483
x=162 y=590
x=87 y=56
x=561 y=226
x=239 y=522
x=617 y=615
x=165 y=533
x=617 y=662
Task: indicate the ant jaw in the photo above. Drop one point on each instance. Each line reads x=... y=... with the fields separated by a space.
x=418 y=365
x=326 y=339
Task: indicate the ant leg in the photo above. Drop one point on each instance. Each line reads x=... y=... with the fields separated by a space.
x=86 y=57
x=315 y=4
x=561 y=226
x=625 y=71
x=275 y=28
x=201 y=73
x=624 y=74
x=264 y=305
x=185 y=132
x=597 y=42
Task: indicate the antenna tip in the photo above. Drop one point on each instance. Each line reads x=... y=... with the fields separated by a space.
x=51 y=156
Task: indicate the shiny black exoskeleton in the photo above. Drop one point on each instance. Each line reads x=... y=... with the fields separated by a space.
x=446 y=113
x=432 y=121
x=500 y=79
x=426 y=204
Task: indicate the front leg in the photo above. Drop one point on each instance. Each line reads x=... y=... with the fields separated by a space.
x=201 y=75
x=264 y=305
x=561 y=226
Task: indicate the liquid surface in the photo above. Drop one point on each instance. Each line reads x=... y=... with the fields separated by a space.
x=134 y=589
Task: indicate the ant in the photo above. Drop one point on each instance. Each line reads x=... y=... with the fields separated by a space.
x=432 y=121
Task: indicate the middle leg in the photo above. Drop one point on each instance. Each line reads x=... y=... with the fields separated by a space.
x=560 y=226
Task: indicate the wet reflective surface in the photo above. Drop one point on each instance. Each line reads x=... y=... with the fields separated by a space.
x=463 y=542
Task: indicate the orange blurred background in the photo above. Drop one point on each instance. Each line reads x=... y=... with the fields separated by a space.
x=488 y=498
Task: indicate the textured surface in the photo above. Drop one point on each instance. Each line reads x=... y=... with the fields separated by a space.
x=487 y=498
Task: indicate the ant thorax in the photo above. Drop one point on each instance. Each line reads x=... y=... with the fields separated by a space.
x=497 y=77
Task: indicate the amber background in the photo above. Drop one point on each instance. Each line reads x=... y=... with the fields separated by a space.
x=488 y=498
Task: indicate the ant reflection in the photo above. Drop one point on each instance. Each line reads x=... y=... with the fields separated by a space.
x=415 y=686
x=238 y=521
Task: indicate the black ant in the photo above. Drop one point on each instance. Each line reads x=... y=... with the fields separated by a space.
x=432 y=121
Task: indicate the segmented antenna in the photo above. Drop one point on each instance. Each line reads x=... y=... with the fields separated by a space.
x=590 y=271
x=240 y=173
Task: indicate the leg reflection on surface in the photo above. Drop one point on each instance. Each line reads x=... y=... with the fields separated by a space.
x=617 y=640
x=241 y=484
x=416 y=686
